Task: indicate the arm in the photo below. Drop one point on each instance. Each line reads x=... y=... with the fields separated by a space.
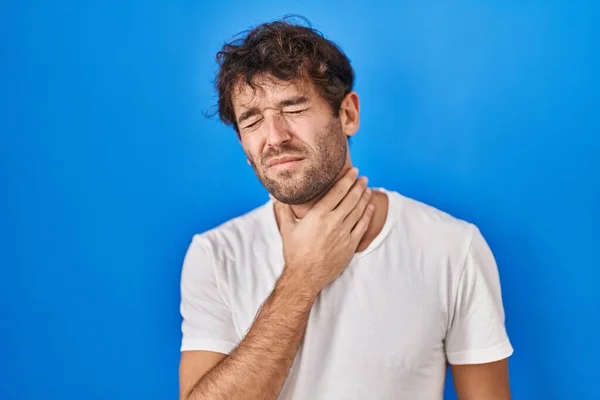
x=487 y=381
x=193 y=365
x=477 y=344
x=257 y=368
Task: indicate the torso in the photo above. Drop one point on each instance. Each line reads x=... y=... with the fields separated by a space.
x=377 y=331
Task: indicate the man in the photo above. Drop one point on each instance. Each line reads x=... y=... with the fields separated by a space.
x=332 y=289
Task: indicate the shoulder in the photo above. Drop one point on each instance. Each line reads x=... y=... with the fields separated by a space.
x=232 y=238
x=430 y=229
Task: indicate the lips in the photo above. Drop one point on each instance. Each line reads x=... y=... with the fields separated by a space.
x=283 y=160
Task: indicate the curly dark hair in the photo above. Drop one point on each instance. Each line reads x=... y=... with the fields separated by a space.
x=287 y=51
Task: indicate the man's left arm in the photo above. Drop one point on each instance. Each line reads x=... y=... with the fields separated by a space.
x=477 y=344
x=487 y=381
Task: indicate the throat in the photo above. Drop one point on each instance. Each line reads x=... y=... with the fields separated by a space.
x=381 y=203
x=379 y=200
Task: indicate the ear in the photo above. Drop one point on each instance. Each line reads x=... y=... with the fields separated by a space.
x=350 y=114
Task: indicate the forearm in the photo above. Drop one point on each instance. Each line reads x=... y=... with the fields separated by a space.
x=257 y=368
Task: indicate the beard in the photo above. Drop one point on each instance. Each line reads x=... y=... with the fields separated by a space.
x=317 y=172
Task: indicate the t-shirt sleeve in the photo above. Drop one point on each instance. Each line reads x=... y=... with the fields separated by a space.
x=477 y=332
x=207 y=321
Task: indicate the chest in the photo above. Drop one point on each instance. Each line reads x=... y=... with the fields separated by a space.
x=386 y=306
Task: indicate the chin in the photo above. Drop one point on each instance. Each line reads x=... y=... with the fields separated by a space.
x=295 y=198
x=292 y=201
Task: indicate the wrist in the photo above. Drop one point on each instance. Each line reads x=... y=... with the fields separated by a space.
x=294 y=287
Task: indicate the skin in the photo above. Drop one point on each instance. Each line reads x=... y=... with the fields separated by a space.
x=283 y=126
x=316 y=190
x=257 y=368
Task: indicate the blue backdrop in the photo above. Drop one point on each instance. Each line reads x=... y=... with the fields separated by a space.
x=488 y=110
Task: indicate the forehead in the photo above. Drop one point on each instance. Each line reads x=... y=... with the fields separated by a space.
x=268 y=91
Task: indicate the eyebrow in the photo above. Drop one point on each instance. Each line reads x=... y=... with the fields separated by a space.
x=293 y=101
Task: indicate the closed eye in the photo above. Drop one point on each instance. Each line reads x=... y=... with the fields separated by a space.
x=294 y=112
x=252 y=124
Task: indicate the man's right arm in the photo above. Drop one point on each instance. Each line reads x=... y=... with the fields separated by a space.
x=258 y=366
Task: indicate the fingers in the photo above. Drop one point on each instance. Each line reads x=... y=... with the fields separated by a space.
x=337 y=192
x=352 y=198
x=363 y=223
x=359 y=209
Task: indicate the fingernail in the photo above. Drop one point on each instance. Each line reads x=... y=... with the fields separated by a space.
x=355 y=171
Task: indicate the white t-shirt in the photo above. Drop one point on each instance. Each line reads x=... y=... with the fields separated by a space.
x=425 y=292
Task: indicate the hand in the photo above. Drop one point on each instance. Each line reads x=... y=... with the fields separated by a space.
x=318 y=247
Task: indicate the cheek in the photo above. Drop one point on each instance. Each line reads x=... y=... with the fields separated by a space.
x=251 y=151
x=308 y=127
x=301 y=124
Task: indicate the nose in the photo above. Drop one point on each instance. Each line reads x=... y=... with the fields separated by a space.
x=277 y=131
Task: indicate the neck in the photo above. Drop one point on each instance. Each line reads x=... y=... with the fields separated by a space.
x=379 y=200
x=381 y=203
x=300 y=210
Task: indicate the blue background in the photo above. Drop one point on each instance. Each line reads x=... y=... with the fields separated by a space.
x=487 y=110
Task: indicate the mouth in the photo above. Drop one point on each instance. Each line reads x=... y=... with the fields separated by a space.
x=284 y=161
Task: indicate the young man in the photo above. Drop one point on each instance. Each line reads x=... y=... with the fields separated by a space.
x=331 y=290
